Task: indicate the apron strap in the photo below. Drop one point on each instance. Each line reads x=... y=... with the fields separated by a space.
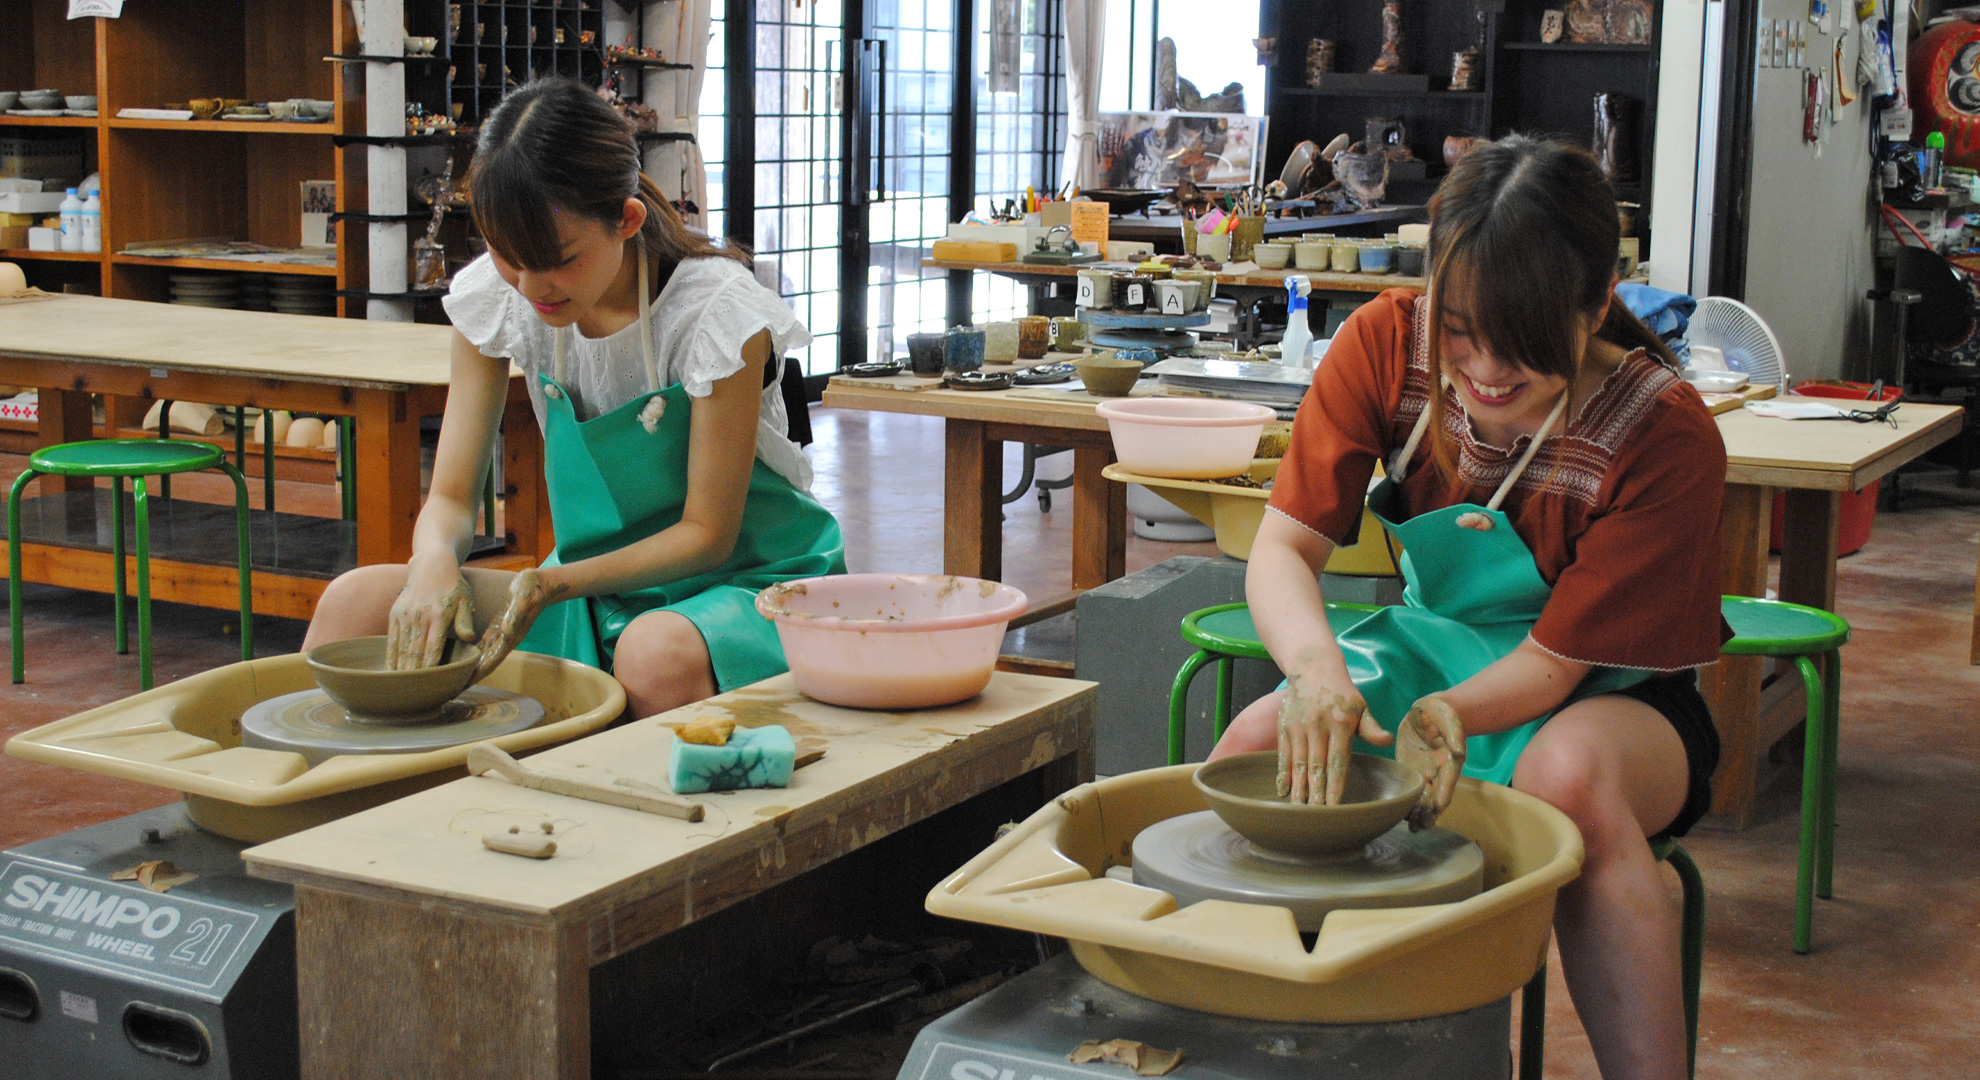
x=1399 y=467
x=1532 y=448
x=645 y=328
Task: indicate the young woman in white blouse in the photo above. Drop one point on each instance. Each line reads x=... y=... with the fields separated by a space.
x=652 y=358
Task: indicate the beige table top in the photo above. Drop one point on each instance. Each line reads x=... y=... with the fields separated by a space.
x=430 y=843
x=182 y=338
x=1829 y=455
x=1241 y=273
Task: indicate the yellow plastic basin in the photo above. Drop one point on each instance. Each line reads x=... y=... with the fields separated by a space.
x=1368 y=966
x=1236 y=511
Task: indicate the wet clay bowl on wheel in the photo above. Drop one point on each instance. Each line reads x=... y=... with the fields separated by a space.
x=891 y=641
x=1243 y=790
x=1185 y=438
x=353 y=673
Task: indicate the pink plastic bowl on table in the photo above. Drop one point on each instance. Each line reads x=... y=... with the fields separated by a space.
x=1185 y=438
x=891 y=641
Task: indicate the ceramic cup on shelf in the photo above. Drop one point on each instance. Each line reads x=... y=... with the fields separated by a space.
x=1250 y=232
x=1067 y=333
x=925 y=353
x=1313 y=254
x=1207 y=286
x=1214 y=247
x=1096 y=288
x=1271 y=255
x=1034 y=337
x=1347 y=257
x=1378 y=258
x=1409 y=260
x=282 y=110
x=1132 y=292
x=1000 y=343
x=962 y=350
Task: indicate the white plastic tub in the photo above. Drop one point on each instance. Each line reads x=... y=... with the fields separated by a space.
x=891 y=641
x=1185 y=438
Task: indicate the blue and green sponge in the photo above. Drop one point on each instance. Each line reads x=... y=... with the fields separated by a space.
x=760 y=757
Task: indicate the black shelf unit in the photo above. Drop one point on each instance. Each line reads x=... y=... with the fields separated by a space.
x=1526 y=85
x=493 y=50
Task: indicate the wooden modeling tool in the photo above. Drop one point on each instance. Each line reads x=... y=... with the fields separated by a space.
x=487 y=758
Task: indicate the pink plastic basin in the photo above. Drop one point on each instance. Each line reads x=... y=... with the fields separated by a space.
x=891 y=641
x=1185 y=438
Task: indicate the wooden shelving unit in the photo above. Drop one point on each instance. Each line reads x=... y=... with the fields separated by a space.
x=165 y=179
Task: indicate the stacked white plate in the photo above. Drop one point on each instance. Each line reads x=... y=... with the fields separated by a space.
x=297 y=295
x=207 y=290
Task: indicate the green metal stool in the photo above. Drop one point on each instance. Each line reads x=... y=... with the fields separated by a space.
x=1772 y=628
x=1224 y=634
x=117 y=459
x=1691 y=968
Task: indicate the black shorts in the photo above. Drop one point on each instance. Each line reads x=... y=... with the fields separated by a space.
x=1676 y=696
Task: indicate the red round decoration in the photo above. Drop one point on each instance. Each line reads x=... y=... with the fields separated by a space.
x=1944 y=69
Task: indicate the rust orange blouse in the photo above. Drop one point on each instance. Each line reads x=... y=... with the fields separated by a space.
x=1621 y=511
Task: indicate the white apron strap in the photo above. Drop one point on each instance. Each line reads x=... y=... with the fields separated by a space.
x=1532 y=448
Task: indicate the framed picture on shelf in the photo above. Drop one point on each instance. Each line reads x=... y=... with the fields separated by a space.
x=1149 y=150
x=319 y=201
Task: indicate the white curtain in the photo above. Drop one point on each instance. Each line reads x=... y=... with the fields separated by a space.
x=1086 y=33
x=682 y=30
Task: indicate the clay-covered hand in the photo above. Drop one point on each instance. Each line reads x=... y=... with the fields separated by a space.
x=1317 y=726
x=529 y=594
x=424 y=618
x=1431 y=741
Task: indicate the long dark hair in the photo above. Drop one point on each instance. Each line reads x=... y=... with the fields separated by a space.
x=1525 y=229
x=556 y=145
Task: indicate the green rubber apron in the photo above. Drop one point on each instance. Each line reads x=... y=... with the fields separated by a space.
x=621 y=477
x=1470 y=597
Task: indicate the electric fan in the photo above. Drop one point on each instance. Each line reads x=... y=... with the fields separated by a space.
x=1739 y=335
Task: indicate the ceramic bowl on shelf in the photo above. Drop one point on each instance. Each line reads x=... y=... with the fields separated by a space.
x=1185 y=438
x=80 y=101
x=891 y=641
x=41 y=99
x=282 y=110
x=1108 y=374
x=316 y=107
x=9 y=99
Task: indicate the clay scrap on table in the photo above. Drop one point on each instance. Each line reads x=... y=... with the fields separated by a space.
x=705 y=731
x=158 y=875
x=1142 y=1058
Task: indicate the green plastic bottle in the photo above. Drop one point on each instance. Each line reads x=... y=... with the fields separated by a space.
x=1931 y=163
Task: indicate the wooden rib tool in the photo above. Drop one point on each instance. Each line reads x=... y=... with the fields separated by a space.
x=487 y=758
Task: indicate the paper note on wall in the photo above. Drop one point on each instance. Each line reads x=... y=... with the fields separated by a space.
x=95 y=9
x=1089 y=222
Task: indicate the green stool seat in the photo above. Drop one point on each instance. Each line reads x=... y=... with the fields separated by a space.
x=1772 y=628
x=1691 y=967
x=119 y=459
x=1225 y=634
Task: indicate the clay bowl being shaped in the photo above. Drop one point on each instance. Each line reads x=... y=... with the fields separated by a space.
x=891 y=641
x=353 y=674
x=1242 y=789
x=1107 y=375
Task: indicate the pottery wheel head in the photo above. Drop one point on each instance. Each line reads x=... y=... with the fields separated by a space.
x=311 y=724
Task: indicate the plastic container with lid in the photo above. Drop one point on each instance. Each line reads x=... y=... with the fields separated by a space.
x=72 y=223
x=92 y=222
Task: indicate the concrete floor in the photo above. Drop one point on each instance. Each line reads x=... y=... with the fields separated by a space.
x=1887 y=991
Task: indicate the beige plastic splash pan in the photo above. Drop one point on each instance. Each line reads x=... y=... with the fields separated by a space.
x=186 y=736
x=1047 y=876
x=1234 y=512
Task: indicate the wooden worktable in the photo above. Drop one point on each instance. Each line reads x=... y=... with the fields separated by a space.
x=387 y=375
x=1813 y=462
x=421 y=953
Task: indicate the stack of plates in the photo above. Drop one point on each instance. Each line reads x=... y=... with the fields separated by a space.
x=293 y=295
x=207 y=290
x=254 y=292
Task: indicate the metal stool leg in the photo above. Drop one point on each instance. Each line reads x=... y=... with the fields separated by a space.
x=1825 y=855
x=347 y=461
x=268 y=460
x=164 y=433
x=1533 y=1025
x=1691 y=943
x=240 y=436
x=1178 y=702
x=243 y=542
x=14 y=572
x=144 y=581
x=117 y=556
x=1814 y=754
x=1221 y=718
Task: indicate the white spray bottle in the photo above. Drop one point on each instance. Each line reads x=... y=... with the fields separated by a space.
x=1299 y=333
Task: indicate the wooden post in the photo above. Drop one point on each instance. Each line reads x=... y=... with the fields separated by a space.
x=1808 y=548
x=1100 y=522
x=525 y=500
x=387 y=476
x=973 y=502
x=1732 y=686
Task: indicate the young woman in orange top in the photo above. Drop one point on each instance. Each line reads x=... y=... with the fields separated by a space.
x=1555 y=488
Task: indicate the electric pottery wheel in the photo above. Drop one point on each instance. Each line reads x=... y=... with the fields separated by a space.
x=260 y=751
x=1254 y=847
x=1244 y=956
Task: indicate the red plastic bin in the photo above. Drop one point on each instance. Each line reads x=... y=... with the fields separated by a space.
x=1859 y=508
